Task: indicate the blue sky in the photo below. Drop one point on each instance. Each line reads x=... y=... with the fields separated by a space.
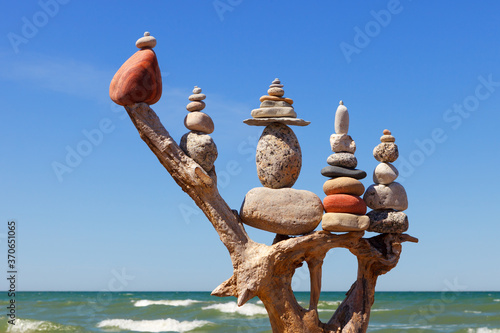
x=428 y=71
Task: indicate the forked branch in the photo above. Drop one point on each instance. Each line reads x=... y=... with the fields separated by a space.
x=267 y=271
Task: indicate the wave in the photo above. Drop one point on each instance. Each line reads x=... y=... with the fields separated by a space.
x=159 y=325
x=496 y=300
x=248 y=309
x=180 y=302
x=472 y=311
x=483 y=330
x=329 y=303
x=380 y=310
x=325 y=310
x=29 y=325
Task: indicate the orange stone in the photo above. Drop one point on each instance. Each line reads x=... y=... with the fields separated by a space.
x=138 y=80
x=344 y=203
x=276 y=98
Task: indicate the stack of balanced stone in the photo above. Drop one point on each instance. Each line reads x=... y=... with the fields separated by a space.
x=277 y=207
x=197 y=144
x=386 y=197
x=345 y=210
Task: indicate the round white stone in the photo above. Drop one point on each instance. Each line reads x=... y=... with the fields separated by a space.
x=146 y=42
x=385 y=173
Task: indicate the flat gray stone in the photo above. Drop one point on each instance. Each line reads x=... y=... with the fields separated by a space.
x=270 y=104
x=271 y=120
x=388 y=221
x=201 y=148
x=342 y=143
x=345 y=160
x=336 y=171
x=274 y=112
x=283 y=211
x=278 y=157
x=392 y=196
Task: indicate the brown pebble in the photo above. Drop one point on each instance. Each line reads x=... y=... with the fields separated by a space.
x=387 y=138
x=276 y=92
x=276 y=98
x=199 y=121
x=195 y=106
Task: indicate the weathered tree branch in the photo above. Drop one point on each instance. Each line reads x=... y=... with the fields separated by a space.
x=267 y=271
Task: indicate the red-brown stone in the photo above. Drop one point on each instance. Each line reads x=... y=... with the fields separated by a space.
x=138 y=80
x=344 y=203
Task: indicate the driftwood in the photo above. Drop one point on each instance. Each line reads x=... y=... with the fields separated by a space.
x=266 y=271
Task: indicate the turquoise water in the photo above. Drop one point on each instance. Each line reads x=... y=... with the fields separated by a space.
x=468 y=312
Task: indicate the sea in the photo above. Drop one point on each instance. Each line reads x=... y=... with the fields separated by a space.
x=467 y=312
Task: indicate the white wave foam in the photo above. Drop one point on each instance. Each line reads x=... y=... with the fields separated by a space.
x=380 y=310
x=160 y=325
x=29 y=325
x=248 y=309
x=483 y=330
x=180 y=302
x=329 y=303
x=472 y=311
x=496 y=300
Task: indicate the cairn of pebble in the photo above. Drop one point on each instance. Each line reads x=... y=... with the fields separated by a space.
x=386 y=197
x=345 y=210
x=197 y=144
x=277 y=207
x=275 y=108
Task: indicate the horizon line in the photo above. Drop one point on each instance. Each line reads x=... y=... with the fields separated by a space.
x=208 y=291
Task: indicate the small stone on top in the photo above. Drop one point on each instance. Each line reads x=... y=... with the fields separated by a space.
x=387 y=137
x=275 y=108
x=197 y=96
x=146 y=42
x=341 y=119
x=196 y=99
x=276 y=84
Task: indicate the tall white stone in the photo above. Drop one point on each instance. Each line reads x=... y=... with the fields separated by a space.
x=341 y=119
